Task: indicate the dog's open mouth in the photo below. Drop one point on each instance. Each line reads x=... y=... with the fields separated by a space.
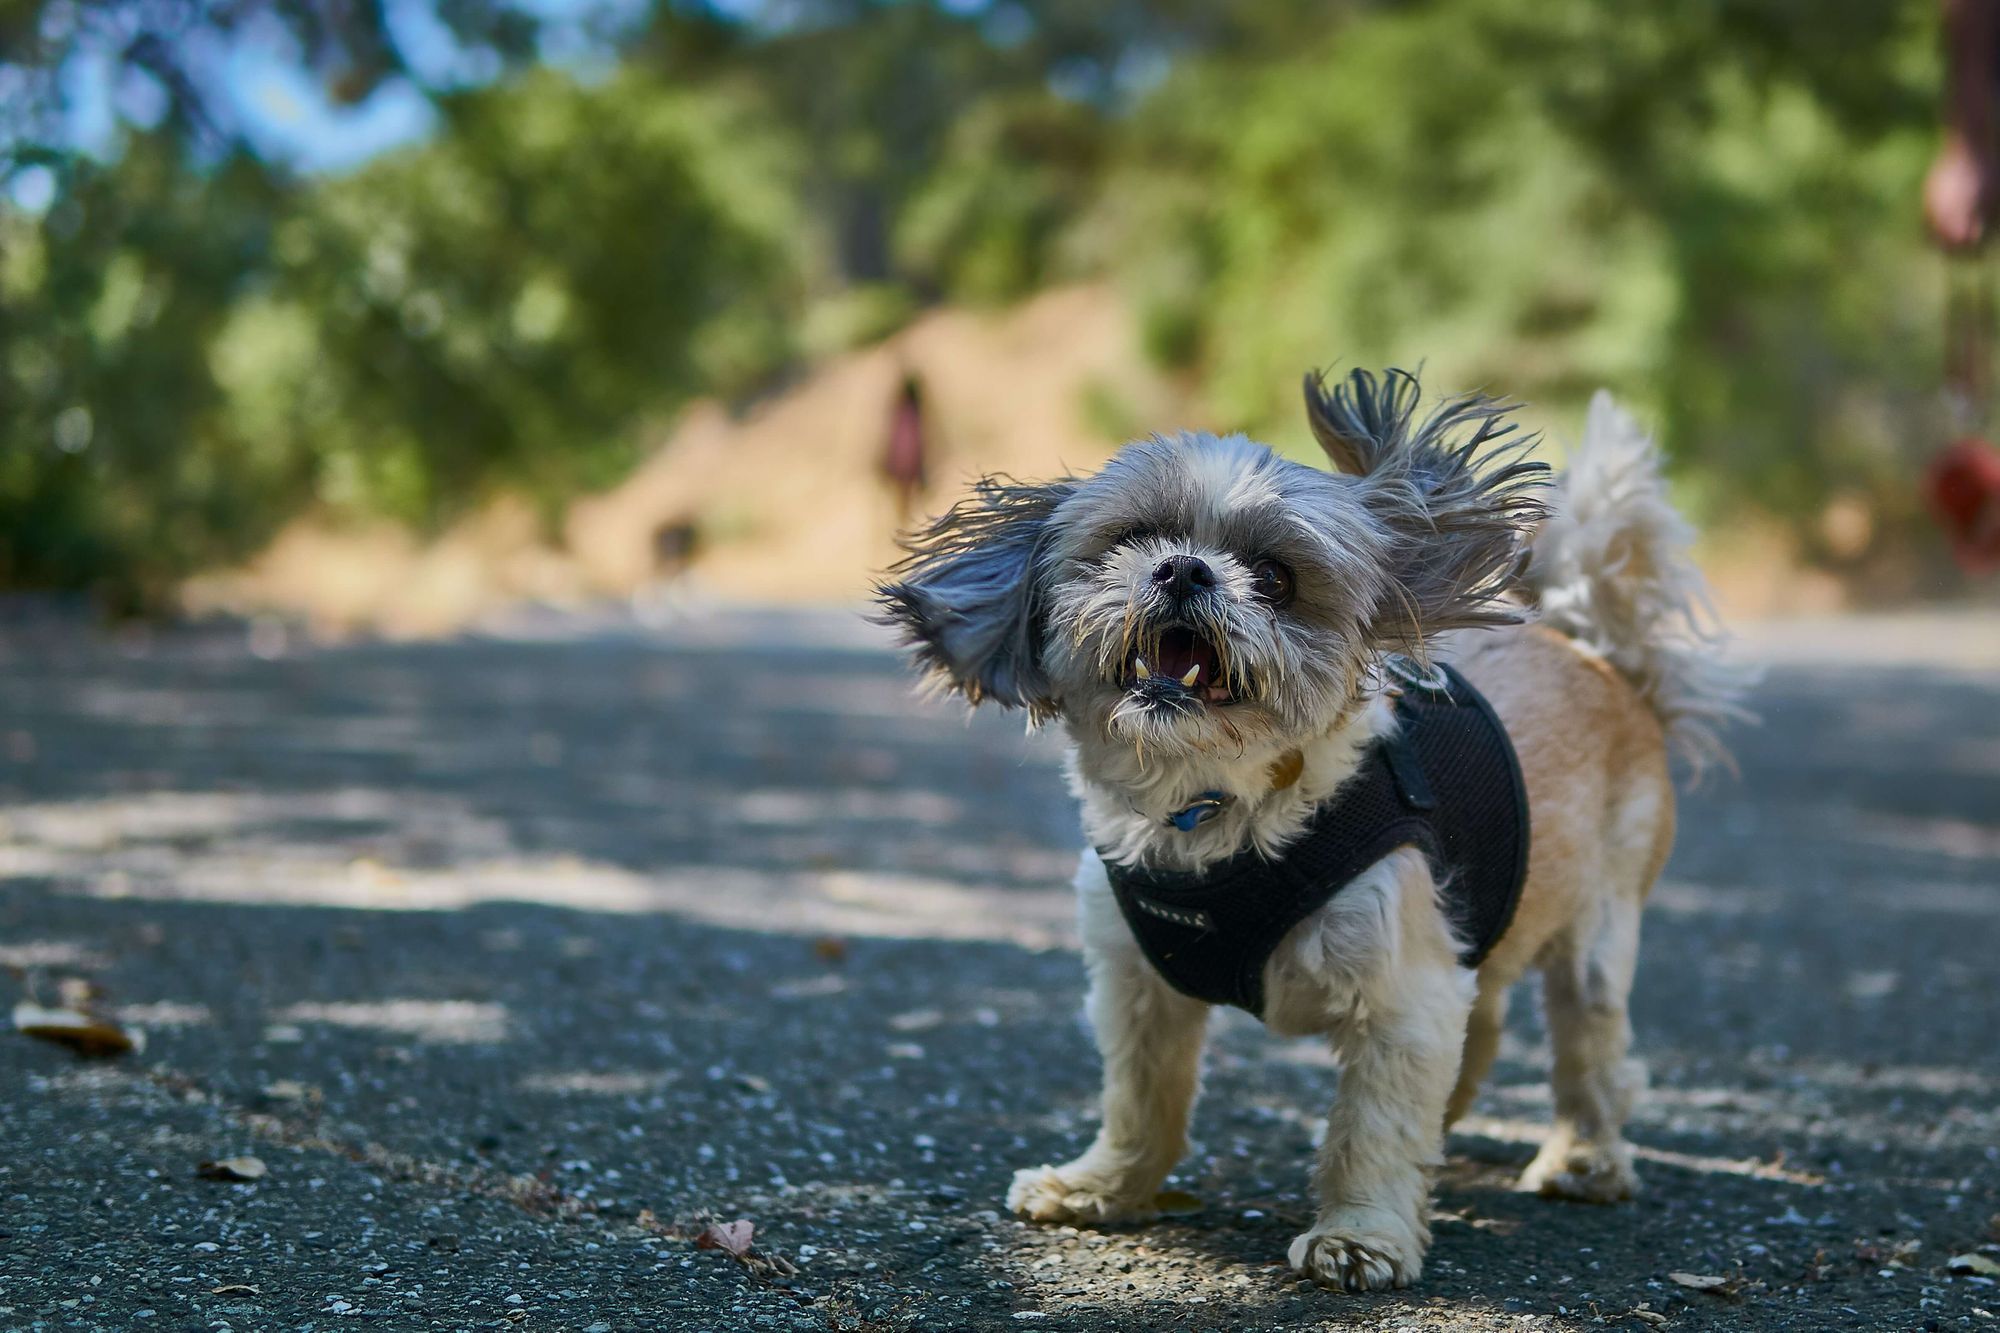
x=1180 y=665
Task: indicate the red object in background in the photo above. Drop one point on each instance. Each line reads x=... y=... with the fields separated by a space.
x=903 y=460
x=1963 y=487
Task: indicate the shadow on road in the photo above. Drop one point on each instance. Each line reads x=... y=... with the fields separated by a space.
x=519 y=958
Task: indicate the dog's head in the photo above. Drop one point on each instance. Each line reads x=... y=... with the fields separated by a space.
x=1202 y=592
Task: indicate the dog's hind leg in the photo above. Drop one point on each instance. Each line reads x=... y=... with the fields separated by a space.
x=1150 y=1036
x=1482 y=1043
x=1586 y=982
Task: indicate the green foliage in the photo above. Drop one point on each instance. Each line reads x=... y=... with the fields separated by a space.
x=190 y=358
x=1283 y=215
x=985 y=225
x=115 y=471
x=498 y=308
x=853 y=316
x=1710 y=209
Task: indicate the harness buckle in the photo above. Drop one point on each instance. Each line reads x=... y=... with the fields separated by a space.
x=1430 y=678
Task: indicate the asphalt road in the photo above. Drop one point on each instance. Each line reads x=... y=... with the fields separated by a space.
x=520 y=959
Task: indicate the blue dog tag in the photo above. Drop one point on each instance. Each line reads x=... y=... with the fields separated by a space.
x=1205 y=807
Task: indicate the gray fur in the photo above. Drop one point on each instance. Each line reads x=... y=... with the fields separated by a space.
x=1452 y=485
x=1041 y=596
x=1229 y=502
x=968 y=597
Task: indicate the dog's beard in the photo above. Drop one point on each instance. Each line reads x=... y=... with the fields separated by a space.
x=1212 y=674
x=1182 y=680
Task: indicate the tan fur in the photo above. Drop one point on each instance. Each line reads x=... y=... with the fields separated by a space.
x=1376 y=971
x=1588 y=747
x=1601 y=804
x=1592 y=706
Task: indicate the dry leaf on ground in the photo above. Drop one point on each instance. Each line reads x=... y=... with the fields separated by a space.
x=1978 y=1265
x=733 y=1237
x=286 y=1090
x=79 y=993
x=1706 y=1282
x=1501 y=1226
x=233 y=1168
x=87 y=1034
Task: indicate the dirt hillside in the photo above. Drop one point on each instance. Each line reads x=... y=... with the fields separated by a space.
x=784 y=502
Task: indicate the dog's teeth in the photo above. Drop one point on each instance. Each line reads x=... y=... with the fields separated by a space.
x=1193 y=675
x=1139 y=669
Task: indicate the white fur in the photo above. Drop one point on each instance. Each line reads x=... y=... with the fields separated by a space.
x=1613 y=571
x=1150 y=1036
x=1419 y=541
x=1127 y=794
x=1377 y=972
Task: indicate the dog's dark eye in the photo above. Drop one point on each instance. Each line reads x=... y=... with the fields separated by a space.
x=1271 y=581
x=1129 y=536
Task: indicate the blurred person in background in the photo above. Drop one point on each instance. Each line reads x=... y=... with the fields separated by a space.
x=903 y=455
x=1960 y=197
x=1959 y=194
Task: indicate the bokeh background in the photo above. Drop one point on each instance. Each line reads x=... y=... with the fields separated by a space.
x=518 y=957
x=389 y=313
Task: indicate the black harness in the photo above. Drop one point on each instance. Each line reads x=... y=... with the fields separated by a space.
x=1446 y=782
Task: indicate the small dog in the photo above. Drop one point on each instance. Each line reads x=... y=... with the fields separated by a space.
x=1235 y=644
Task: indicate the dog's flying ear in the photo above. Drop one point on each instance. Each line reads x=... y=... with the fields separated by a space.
x=1352 y=421
x=968 y=596
x=1452 y=488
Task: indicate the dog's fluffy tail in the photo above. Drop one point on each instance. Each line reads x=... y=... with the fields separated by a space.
x=1612 y=569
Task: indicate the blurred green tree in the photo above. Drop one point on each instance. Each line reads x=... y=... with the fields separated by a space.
x=497 y=308
x=188 y=357
x=1710 y=208
x=986 y=224
x=116 y=473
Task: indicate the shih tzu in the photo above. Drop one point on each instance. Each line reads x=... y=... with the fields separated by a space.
x=1355 y=751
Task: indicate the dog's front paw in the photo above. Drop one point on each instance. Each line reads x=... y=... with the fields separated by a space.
x=1059 y=1194
x=1365 y=1257
x=1582 y=1172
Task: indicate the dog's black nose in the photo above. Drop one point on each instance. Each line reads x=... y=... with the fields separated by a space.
x=1183 y=575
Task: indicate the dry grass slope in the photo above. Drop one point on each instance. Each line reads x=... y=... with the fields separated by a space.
x=786 y=497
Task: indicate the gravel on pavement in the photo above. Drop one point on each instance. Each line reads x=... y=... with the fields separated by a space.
x=522 y=958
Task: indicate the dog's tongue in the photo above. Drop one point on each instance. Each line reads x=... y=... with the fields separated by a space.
x=1182 y=649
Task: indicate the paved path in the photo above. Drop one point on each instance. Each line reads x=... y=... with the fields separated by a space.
x=519 y=958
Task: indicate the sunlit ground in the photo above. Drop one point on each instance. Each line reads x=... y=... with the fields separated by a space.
x=542 y=949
